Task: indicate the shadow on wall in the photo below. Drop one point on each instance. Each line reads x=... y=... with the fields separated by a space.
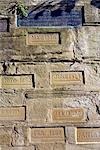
x=53 y=13
x=96 y=3
x=56 y=7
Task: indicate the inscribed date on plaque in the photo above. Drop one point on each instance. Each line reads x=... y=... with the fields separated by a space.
x=87 y=135
x=12 y=113
x=66 y=78
x=16 y=81
x=51 y=135
x=43 y=39
x=68 y=115
x=4 y=25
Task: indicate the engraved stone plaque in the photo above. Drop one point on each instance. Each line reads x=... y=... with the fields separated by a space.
x=68 y=115
x=43 y=39
x=87 y=135
x=16 y=82
x=66 y=78
x=3 y=25
x=12 y=113
x=47 y=135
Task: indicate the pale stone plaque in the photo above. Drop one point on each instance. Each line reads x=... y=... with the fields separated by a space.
x=66 y=78
x=87 y=135
x=42 y=39
x=47 y=135
x=68 y=115
x=16 y=82
x=12 y=113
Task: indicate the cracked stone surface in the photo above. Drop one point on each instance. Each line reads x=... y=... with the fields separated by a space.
x=63 y=77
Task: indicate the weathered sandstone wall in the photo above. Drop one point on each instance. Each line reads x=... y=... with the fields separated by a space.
x=50 y=85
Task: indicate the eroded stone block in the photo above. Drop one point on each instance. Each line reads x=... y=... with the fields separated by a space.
x=12 y=113
x=42 y=39
x=87 y=135
x=5 y=136
x=20 y=136
x=66 y=78
x=4 y=26
x=37 y=111
x=47 y=135
x=16 y=82
x=17 y=148
x=49 y=146
x=68 y=115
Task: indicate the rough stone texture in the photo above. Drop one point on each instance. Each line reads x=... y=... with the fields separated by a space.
x=18 y=148
x=64 y=76
x=12 y=113
x=5 y=136
x=46 y=135
x=50 y=147
x=20 y=136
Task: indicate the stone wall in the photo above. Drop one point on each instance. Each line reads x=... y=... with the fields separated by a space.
x=50 y=85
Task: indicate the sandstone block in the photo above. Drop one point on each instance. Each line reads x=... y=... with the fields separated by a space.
x=37 y=111
x=47 y=135
x=20 y=136
x=87 y=135
x=42 y=39
x=17 y=148
x=12 y=113
x=72 y=115
x=52 y=146
x=5 y=136
x=16 y=82
x=4 y=24
x=66 y=78
x=82 y=147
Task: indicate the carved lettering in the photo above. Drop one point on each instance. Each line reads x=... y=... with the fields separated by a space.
x=47 y=135
x=88 y=135
x=43 y=38
x=12 y=113
x=68 y=115
x=66 y=78
x=16 y=82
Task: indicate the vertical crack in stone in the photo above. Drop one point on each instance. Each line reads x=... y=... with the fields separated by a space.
x=97 y=109
x=4 y=67
x=16 y=70
x=87 y=119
